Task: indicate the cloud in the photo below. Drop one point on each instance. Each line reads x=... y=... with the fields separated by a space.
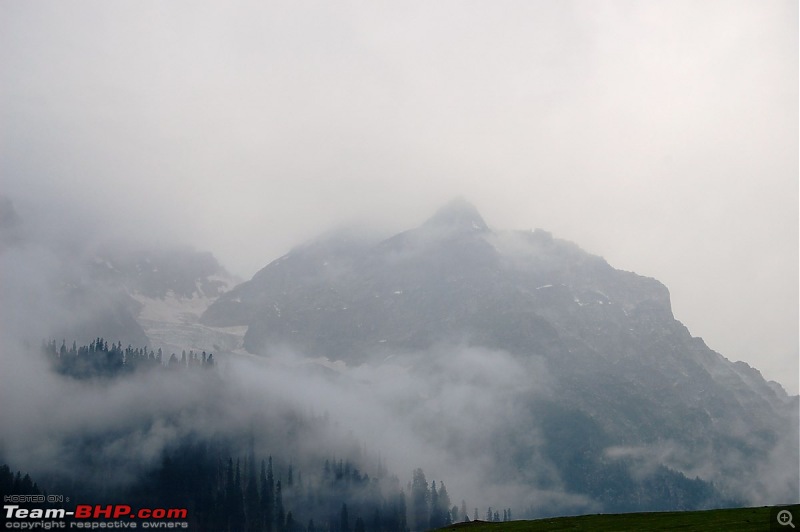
x=662 y=137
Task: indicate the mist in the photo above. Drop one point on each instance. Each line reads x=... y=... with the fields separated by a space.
x=447 y=409
x=435 y=410
x=662 y=137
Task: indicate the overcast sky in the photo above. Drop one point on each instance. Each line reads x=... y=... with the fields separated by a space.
x=660 y=135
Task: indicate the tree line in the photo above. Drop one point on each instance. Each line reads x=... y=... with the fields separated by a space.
x=245 y=494
x=226 y=489
x=99 y=359
x=19 y=484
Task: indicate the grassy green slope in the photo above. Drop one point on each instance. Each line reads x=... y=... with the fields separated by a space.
x=709 y=520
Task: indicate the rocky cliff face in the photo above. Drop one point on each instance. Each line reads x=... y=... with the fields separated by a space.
x=627 y=383
x=450 y=279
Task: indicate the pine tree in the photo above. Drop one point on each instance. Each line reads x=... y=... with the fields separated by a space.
x=402 y=524
x=419 y=500
x=436 y=520
x=268 y=496
x=6 y=480
x=237 y=518
x=344 y=520
x=280 y=515
x=444 y=505
x=252 y=508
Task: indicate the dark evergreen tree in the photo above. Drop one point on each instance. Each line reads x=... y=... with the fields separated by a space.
x=6 y=480
x=344 y=520
x=268 y=498
x=376 y=520
x=237 y=501
x=444 y=505
x=436 y=519
x=419 y=500
x=402 y=520
x=280 y=515
x=252 y=508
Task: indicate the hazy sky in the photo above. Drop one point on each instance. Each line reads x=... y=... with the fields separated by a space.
x=660 y=135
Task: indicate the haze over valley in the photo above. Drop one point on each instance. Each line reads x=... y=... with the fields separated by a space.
x=524 y=372
x=381 y=266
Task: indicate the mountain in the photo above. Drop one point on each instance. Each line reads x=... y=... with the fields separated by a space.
x=169 y=288
x=72 y=288
x=618 y=405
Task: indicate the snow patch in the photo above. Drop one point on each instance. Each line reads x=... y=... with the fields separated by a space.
x=172 y=308
x=173 y=323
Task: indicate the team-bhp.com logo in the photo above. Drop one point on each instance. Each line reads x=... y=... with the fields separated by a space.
x=86 y=511
x=123 y=515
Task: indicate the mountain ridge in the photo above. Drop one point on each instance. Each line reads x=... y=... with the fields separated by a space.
x=618 y=362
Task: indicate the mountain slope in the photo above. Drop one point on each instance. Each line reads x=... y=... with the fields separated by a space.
x=71 y=288
x=169 y=288
x=630 y=394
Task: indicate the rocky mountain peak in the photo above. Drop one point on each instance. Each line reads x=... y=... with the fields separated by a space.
x=620 y=390
x=458 y=214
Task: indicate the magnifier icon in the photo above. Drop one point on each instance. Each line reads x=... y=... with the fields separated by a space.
x=785 y=518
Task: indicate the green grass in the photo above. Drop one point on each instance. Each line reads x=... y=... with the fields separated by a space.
x=708 y=520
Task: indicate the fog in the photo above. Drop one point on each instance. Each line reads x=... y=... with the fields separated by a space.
x=662 y=136
x=438 y=410
x=447 y=410
x=450 y=410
